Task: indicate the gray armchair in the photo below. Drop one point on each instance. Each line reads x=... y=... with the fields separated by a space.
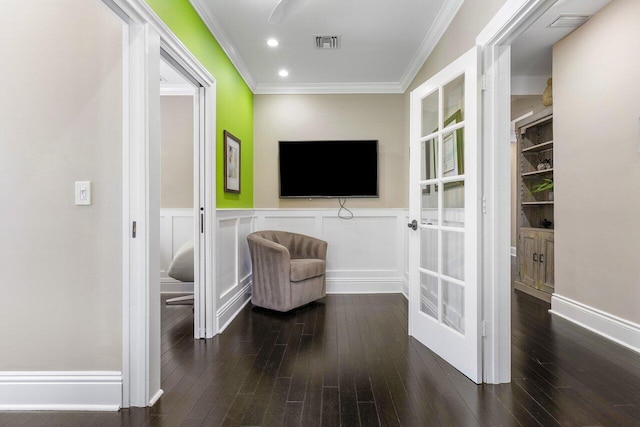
x=288 y=269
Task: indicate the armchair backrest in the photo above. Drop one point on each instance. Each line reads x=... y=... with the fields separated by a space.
x=300 y=246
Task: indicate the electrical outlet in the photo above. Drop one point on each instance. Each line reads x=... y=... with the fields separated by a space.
x=83 y=193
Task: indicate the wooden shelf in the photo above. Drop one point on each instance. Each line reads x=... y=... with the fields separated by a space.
x=539 y=147
x=537 y=173
x=540 y=203
x=534 y=242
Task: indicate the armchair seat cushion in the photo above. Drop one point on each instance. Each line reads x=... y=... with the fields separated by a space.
x=303 y=269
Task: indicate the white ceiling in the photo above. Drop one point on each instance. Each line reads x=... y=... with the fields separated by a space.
x=383 y=42
x=531 y=51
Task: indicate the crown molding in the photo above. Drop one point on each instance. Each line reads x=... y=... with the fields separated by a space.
x=511 y=20
x=221 y=36
x=328 y=88
x=435 y=33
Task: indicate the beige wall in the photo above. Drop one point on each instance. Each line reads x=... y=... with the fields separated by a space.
x=60 y=121
x=176 y=117
x=309 y=117
x=596 y=96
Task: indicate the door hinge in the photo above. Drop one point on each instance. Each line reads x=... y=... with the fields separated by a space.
x=134 y=230
x=201 y=220
x=483 y=82
x=484 y=205
x=486 y=328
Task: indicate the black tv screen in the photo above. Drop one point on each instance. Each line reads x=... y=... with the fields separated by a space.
x=328 y=169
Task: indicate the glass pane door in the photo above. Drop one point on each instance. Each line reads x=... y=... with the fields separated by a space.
x=443 y=247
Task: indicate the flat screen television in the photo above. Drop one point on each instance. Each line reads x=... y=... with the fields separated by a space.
x=328 y=169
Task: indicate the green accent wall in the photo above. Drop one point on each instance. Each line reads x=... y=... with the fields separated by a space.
x=234 y=100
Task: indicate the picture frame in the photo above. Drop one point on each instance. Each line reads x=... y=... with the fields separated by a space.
x=452 y=154
x=232 y=163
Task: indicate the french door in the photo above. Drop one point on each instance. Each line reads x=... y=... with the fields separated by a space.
x=444 y=304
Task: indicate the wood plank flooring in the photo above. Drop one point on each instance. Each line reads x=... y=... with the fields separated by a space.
x=347 y=360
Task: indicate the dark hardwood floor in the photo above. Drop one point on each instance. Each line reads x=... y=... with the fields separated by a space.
x=347 y=360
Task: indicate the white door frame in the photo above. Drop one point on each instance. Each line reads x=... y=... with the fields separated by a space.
x=145 y=34
x=495 y=41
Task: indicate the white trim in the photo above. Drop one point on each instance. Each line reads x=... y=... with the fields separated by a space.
x=512 y=19
x=147 y=35
x=170 y=42
x=364 y=286
x=405 y=288
x=182 y=90
x=156 y=397
x=230 y=310
x=223 y=40
x=435 y=33
x=607 y=325
x=331 y=88
x=60 y=391
x=126 y=282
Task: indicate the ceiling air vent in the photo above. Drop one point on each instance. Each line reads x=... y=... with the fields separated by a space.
x=569 y=21
x=327 y=42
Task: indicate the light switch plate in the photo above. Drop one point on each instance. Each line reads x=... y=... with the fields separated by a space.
x=83 y=193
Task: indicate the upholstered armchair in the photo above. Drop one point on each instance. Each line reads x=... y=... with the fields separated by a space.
x=288 y=269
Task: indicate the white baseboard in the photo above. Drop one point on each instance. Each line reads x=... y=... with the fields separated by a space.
x=156 y=397
x=513 y=251
x=405 y=288
x=607 y=325
x=230 y=310
x=363 y=286
x=175 y=287
x=60 y=391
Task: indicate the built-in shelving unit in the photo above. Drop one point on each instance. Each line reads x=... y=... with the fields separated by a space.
x=536 y=216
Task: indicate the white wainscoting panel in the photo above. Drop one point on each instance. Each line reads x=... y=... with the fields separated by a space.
x=301 y=222
x=60 y=391
x=176 y=228
x=365 y=253
x=233 y=264
x=619 y=330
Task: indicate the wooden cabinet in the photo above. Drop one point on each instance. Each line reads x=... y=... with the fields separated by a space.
x=536 y=262
x=535 y=266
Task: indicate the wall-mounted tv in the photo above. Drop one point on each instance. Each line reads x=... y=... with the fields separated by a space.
x=328 y=169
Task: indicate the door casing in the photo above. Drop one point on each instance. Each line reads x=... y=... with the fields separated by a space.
x=145 y=36
x=495 y=44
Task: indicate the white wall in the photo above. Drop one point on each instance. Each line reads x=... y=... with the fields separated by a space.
x=328 y=117
x=176 y=118
x=596 y=83
x=60 y=122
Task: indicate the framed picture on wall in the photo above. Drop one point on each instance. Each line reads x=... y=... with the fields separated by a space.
x=231 y=163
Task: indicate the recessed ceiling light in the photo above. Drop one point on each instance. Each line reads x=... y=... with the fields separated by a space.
x=283 y=73
x=272 y=42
